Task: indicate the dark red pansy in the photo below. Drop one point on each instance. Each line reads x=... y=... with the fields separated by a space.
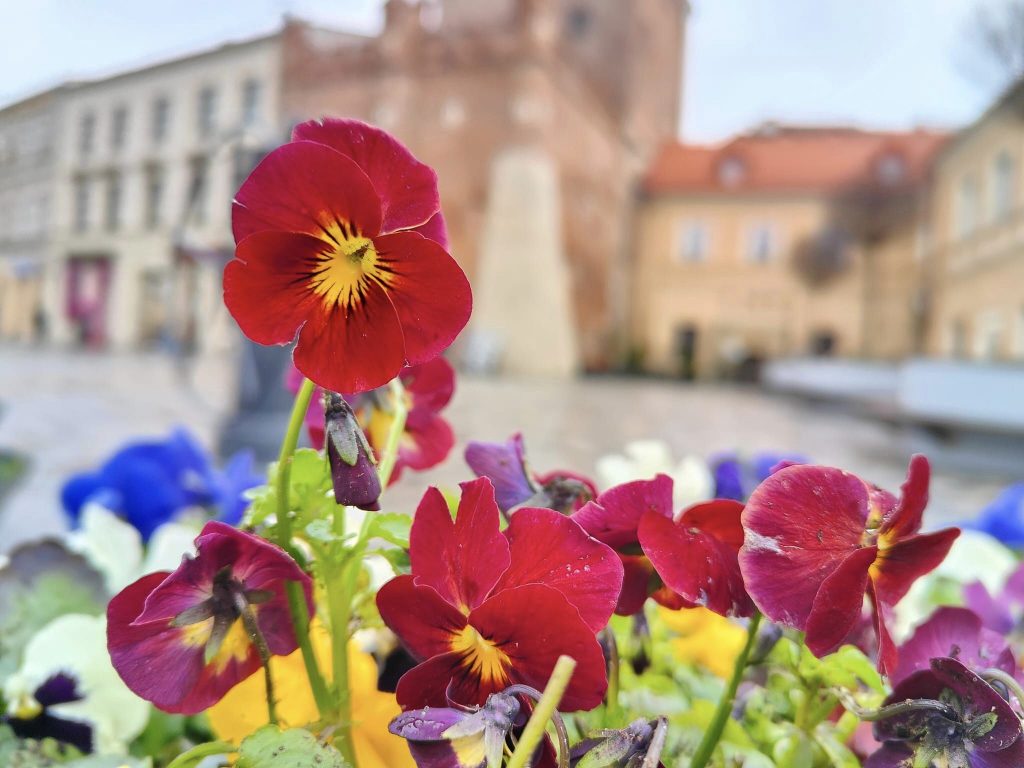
x=515 y=485
x=340 y=243
x=818 y=538
x=177 y=638
x=427 y=438
x=484 y=609
x=681 y=561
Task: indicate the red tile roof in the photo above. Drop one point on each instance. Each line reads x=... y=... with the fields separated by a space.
x=788 y=158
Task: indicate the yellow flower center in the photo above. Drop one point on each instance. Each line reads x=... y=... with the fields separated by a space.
x=341 y=275
x=236 y=643
x=481 y=656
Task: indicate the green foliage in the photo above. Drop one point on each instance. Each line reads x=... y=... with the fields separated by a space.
x=29 y=753
x=200 y=752
x=270 y=747
x=310 y=494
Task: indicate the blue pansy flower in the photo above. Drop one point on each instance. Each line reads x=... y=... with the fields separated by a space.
x=736 y=477
x=1003 y=519
x=149 y=482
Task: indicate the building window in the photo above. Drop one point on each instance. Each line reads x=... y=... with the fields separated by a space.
x=86 y=133
x=988 y=335
x=1004 y=176
x=762 y=243
x=195 y=205
x=154 y=195
x=691 y=242
x=114 y=196
x=161 y=119
x=118 y=127
x=207 y=111
x=244 y=161
x=251 y=92
x=81 y=184
x=967 y=207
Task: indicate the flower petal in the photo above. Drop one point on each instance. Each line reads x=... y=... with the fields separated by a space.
x=534 y=625
x=694 y=564
x=426 y=684
x=428 y=441
x=613 y=516
x=505 y=465
x=637 y=573
x=839 y=603
x=421 y=618
x=407 y=188
x=266 y=288
x=977 y=697
x=905 y=519
x=549 y=548
x=429 y=291
x=309 y=188
x=719 y=518
x=895 y=570
x=461 y=559
x=157 y=661
x=801 y=523
x=957 y=633
x=352 y=349
x=435 y=229
x=430 y=384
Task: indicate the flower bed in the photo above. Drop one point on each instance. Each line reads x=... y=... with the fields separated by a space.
x=763 y=612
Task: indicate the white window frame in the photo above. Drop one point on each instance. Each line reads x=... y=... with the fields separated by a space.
x=756 y=233
x=690 y=232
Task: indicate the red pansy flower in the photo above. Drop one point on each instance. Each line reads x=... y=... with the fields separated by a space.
x=177 y=638
x=505 y=465
x=484 y=609
x=818 y=538
x=681 y=562
x=339 y=240
x=427 y=439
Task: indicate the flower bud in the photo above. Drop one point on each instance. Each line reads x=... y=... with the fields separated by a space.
x=353 y=467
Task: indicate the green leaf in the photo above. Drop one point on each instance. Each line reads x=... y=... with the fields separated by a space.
x=846 y=668
x=200 y=752
x=270 y=747
x=309 y=491
x=393 y=527
x=110 y=761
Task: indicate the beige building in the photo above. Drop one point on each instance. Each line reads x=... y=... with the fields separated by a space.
x=147 y=164
x=28 y=177
x=779 y=242
x=978 y=237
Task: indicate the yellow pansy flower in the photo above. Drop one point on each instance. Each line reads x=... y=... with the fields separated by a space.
x=244 y=708
x=704 y=638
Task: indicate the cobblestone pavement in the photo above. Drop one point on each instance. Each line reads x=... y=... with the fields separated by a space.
x=69 y=411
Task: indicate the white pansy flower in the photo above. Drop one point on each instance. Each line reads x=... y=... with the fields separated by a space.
x=75 y=645
x=643 y=459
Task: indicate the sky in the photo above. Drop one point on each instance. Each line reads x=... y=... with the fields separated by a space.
x=874 y=63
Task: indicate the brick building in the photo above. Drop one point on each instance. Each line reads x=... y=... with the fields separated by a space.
x=588 y=89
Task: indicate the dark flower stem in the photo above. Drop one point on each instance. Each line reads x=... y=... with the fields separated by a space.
x=613 y=670
x=904 y=708
x=653 y=757
x=998 y=676
x=717 y=726
x=283 y=532
x=253 y=630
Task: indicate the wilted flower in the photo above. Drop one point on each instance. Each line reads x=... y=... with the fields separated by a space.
x=340 y=241
x=150 y=483
x=622 y=748
x=951 y=717
x=427 y=438
x=353 y=466
x=818 y=539
x=66 y=689
x=693 y=555
x=442 y=737
x=179 y=639
x=504 y=464
x=484 y=609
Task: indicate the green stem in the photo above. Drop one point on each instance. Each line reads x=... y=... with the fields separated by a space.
x=283 y=532
x=612 y=696
x=340 y=585
x=256 y=636
x=390 y=454
x=543 y=712
x=714 y=732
